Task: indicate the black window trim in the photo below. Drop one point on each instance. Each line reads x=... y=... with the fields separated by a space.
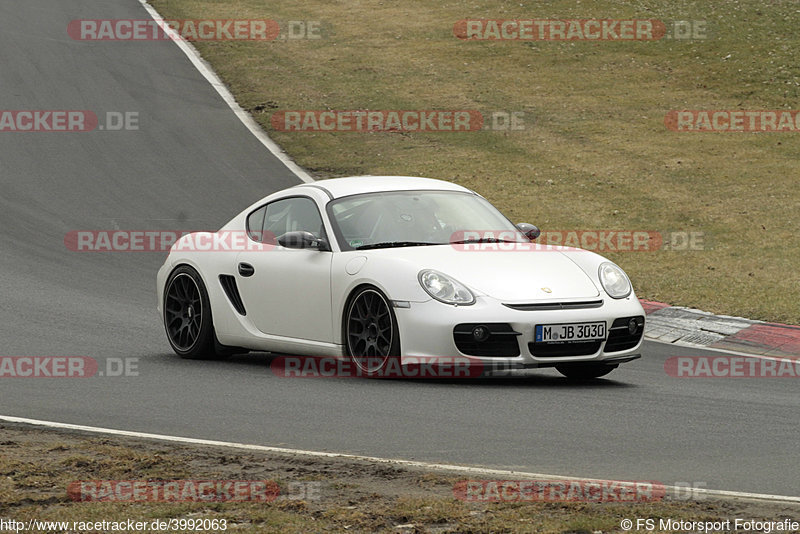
x=247 y=217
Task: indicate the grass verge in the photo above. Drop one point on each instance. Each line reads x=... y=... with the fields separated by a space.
x=37 y=466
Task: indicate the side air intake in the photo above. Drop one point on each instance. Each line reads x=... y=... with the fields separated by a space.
x=228 y=284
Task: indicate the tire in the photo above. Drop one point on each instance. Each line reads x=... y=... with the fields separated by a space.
x=187 y=317
x=371 y=336
x=585 y=371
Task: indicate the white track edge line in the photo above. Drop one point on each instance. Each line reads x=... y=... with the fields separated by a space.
x=208 y=73
x=409 y=463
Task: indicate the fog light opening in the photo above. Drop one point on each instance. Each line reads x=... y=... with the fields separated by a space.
x=633 y=326
x=480 y=333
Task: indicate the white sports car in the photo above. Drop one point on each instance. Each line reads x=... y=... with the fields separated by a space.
x=373 y=270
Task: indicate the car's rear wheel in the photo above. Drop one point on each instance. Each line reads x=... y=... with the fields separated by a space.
x=584 y=371
x=370 y=331
x=187 y=316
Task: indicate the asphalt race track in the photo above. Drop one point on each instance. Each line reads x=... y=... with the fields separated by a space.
x=193 y=165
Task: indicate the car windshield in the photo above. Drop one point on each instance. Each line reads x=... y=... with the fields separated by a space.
x=417 y=218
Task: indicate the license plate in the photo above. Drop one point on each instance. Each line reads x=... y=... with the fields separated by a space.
x=560 y=333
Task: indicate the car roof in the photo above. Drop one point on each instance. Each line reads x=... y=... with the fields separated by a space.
x=355 y=185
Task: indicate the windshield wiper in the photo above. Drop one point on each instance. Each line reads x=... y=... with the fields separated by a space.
x=483 y=240
x=392 y=244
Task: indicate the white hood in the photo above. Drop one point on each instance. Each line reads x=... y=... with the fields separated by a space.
x=509 y=276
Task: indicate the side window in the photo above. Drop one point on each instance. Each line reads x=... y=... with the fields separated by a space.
x=255 y=223
x=290 y=215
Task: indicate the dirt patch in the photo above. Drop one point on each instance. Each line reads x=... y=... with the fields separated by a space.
x=317 y=494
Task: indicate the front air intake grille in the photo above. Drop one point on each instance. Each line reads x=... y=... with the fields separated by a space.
x=571 y=348
x=544 y=306
x=228 y=284
x=500 y=340
x=620 y=336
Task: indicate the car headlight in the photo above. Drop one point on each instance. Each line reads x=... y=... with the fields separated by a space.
x=445 y=289
x=614 y=280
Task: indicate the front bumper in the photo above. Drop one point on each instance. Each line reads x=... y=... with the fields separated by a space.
x=427 y=332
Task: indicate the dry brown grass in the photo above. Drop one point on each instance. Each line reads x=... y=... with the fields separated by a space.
x=36 y=467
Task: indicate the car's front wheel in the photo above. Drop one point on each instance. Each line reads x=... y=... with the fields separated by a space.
x=187 y=316
x=584 y=371
x=370 y=331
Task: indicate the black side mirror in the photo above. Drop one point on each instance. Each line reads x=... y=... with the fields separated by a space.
x=530 y=231
x=301 y=239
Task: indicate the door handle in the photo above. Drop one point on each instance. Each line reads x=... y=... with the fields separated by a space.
x=245 y=269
